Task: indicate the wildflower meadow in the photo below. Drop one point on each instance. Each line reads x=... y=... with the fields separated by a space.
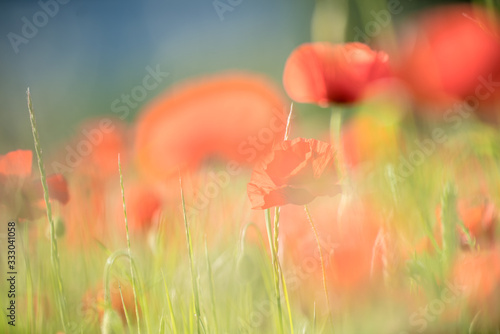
x=341 y=175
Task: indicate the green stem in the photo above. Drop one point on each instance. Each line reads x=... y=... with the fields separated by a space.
x=191 y=262
x=212 y=288
x=336 y=135
x=54 y=252
x=107 y=274
x=107 y=279
x=273 y=244
x=170 y=307
x=323 y=271
x=129 y=248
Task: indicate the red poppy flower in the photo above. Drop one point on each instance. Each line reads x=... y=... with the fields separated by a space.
x=18 y=195
x=325 y=73
x=233 y=116
x=448 y=53
x=295 y=172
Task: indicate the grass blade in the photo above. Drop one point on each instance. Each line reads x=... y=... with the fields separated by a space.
x=170 y=308
x=191 y=262
x=128 y=247
x=54 y=252
x=212 y=292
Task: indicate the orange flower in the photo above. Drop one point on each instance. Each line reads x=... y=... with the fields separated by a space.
x=234 y=116
x=295 y=172
x=325 y=73
x=18 y=195
x=448 y=52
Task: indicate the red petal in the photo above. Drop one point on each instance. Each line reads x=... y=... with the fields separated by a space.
x=58 y=188
x=295 y=173
x=323 y=73
x=235 y=116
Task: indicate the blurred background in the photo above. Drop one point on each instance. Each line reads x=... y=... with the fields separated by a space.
x=78 y=57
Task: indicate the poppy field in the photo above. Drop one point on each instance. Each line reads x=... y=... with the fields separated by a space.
x=357 y=192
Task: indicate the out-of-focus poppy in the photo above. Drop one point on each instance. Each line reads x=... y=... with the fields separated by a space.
x=295 y=172
x=356 y=252
x=90 y=161
x=16 y=163
x=94 y=151
x=18 y=194
x=93 y=303
x=58 y=188
x=234 y=116
x=480 y=221
x=85 y=227
x=361 y=250
x=143 y=205
x=449 y=53
x=478 y=275
x=324 y=73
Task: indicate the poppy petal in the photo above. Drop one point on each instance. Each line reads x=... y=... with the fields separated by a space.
x=58 y=188
x=295 y=172
x=235 y=116
x=324 y=73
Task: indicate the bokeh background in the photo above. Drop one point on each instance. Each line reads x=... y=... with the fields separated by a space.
x=91 y=52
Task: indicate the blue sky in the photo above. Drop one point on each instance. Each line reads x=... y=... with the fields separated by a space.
x=90 y=52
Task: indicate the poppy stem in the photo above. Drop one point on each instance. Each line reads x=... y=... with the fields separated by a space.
x=492 y=11
x=336 y=135
x=273 y=245
x=449 y=218
x=323 y=271
x=54 y=252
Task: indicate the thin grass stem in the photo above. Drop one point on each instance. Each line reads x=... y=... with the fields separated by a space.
x=191 y=261
x=132 y=274
x=323 y=271
x=54 y=252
